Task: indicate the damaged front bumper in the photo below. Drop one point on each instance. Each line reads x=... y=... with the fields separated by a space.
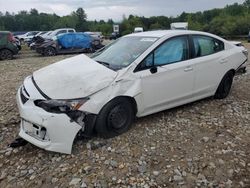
x=50 y=131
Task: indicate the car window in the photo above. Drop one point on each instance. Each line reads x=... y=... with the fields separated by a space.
x=60 y=32
x=147 y=62
x=204 y=45
x=71 y=31
x=30 y=34
x=173 y=50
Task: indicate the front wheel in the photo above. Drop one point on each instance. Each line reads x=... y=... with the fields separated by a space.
x=115 y=118
x=225 y=86
x=6 y=54
x=49 y=51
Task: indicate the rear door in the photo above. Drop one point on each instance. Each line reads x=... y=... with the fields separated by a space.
x=209 y=59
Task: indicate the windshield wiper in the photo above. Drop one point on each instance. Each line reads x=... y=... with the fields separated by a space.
x=104 y=63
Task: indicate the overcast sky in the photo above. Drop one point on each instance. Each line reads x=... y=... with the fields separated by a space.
x=104 y=9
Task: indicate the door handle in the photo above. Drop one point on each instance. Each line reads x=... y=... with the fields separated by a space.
x=189 y=68
x=223 y=60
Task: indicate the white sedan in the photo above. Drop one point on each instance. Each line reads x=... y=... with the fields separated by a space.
x=135 y=76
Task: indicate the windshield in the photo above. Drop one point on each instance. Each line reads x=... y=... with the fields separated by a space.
x=123 y=52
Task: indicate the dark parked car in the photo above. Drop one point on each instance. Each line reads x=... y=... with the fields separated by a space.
x=37 y=41
x=64 y=44
x=114 y=36
x=8 y=46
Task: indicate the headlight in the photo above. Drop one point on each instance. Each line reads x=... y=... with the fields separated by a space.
x=60 y=106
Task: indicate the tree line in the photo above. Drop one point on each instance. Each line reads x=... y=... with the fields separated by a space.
x=231 y=20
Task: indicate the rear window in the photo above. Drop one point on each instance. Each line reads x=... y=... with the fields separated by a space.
x=205 y=45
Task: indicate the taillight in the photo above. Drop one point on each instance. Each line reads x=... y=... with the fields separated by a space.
x=11 y=38
x=245 y=52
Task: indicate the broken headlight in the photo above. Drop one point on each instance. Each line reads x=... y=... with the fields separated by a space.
x=60 y=106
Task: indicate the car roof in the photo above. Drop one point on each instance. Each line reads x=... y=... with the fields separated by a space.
x=5 y=32
x=165 y=33
x=64 y=29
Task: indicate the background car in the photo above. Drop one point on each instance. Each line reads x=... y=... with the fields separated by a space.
x=46 y=35
x=97 y=39
x=114 y=36
x=30 y=40
x=18 y=43
x=65 y=43
x=27 y=36
x=58 y=32
x=8 y=46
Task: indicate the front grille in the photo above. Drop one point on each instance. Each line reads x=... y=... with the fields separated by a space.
x=23 y=98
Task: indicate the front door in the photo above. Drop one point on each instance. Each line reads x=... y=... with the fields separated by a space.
x=167 y=76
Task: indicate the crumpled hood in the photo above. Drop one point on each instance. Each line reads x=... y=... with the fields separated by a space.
x=74 y=77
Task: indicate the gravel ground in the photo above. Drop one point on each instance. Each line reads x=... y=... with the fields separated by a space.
x=203 y=144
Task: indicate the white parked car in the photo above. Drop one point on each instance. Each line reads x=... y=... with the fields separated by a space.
x=179 y=25
x=27 y=36
x=58 y=32
x=138 y=29
x=137 y=75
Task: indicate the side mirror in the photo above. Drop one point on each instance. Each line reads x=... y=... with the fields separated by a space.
x=153 y=70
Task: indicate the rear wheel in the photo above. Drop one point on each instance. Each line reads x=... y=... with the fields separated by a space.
x=115 y=118
x=49 y=51
x=225 y=86
x=6 y=54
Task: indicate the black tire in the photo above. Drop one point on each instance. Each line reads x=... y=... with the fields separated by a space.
x=6 y=54
x=115 y=118
x=49 y=51
x=21 y=41
x=225 y=86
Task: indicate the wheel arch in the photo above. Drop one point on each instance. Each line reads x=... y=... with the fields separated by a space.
x=216 y=95
x=231 y=70
x=129 y=98
x=105 y=129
